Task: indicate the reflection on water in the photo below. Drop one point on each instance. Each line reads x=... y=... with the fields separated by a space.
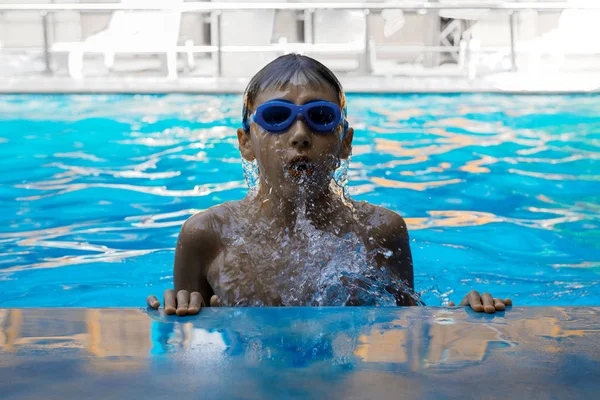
x=420 y=186
x=95 y=188
x=224 y=347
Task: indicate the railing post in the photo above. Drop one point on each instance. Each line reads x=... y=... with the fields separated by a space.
x=47 y=69
x=366 y=67
x=219 y=42
x=513 y=55
x=312 y=25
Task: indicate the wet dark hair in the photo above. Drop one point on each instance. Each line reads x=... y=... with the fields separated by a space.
x=279 y=72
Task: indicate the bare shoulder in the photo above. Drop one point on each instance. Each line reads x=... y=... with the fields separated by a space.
x=208 y=224
x=199 y=243
x=388 y=230
x=381 y=223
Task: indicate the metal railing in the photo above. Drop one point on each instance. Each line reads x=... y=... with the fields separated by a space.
x=217 y=6
x=508 y=7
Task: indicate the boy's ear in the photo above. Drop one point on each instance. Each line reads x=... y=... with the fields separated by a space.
x=347 y=144
x=245 y=144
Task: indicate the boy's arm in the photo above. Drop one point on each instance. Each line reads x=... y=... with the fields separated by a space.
x=390 y=232
x=393 y=235
x=197 y=246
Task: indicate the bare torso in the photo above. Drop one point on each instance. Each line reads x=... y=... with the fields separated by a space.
x=260 y=264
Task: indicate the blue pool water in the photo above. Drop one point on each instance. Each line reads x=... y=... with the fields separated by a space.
x=501 y=193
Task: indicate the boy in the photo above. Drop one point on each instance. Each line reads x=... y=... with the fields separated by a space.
x=296 y=240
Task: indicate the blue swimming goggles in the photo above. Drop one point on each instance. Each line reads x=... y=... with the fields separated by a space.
x=277 y=116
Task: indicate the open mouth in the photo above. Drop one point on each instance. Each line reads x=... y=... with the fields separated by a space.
x=301 y=166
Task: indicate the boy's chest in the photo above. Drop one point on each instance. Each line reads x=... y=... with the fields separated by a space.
x=308 y=269
x=260 y=273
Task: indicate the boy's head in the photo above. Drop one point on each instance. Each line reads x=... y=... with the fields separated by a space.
x=294 y=124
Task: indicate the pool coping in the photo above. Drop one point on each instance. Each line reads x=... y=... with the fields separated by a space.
x=335 y=352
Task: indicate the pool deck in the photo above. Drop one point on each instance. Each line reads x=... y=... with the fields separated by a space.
x=574 y=82
x=280 y=353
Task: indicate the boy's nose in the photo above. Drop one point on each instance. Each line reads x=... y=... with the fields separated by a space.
x=301 y=136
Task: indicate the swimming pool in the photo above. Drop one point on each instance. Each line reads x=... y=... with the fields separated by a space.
x=501 y=192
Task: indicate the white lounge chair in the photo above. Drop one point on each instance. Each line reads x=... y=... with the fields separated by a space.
x=130 y=32
x=342 y=31
x=577 y=34
x=245 y=29
x=335 y=37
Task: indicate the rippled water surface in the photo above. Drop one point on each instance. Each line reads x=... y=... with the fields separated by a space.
x=501 y=193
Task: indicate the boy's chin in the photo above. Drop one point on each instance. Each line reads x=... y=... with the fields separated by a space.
x=304 y=188
x=309 y=178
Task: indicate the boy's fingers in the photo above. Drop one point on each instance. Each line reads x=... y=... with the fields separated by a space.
x=196 y=303
x=464 y=302
x=498 y=304
x=152 y=302
x=488 y=303
x=450 y=304
x=183 y=300
x=508 y=302
x=169 y=302
x=475 y=301
x=214 y=301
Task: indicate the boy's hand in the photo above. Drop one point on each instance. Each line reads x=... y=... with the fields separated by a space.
x=485 y=302
x=183 y=303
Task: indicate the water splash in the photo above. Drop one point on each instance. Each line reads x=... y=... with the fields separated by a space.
x=250 y=169
x=308 y=266
x=433 y=295
x=340 y=179
x=326 y=268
